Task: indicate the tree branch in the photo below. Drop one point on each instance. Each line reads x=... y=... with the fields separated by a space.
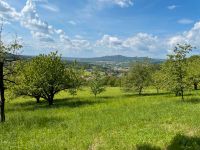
x=7 y=80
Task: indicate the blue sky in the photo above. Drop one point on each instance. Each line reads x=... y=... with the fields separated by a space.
x=88 y=28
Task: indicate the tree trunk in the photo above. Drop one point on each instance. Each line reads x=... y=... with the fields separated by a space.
x=2 y=100
x=50 y=99
x=182 y=95
x=140 y=91
x=195 y=86
x=37 y=99
x=157 y=90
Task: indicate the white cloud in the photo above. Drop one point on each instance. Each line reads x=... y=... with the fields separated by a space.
x=31 y=20
x=74 y=44
x=48 y=37
x=50 y=7
x=146 y=44
x=172 y=7
x=109 y=41
x=78 y=37
x=124 y=3
x=59 y=31
x=42 y=36
x=42 y=31
x=121 y=3
x=79 y=44
x=7 y=12
x=191 y=37
x=44 y=1
x=72 y=22
x=185 y=21
x=141 y=43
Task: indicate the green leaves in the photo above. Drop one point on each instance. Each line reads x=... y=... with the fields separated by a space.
x=75 y=78
x=158 y=80
x=176 y=69
x=43 y=76
x=193 y=70
x=138 y=77
x=97 y=82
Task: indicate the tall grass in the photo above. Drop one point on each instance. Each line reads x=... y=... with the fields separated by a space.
x=112 y=121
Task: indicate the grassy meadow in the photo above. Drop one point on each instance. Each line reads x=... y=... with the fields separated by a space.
x=112 y=121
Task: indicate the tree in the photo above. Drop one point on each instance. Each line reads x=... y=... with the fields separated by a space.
x=193 y=70
x=158 y=80
x=43 y=76
x=75 y=78
x=7 y=59
x=51 y=74
x=112 y=80
x=165 y=79
x=177 y=68
x=138 y=77
x=27 y=81
x=97 y=82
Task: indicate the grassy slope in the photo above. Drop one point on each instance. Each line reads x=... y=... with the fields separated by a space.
x=112 y=121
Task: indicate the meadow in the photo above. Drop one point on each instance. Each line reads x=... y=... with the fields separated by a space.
x=112 y=121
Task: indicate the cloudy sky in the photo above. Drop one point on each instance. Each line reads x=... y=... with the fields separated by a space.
x=88 y=28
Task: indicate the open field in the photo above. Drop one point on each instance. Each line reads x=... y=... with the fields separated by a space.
x=110 y=122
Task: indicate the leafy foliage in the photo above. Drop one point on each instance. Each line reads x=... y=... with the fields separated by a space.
x=193 y=70
x=176 y=68
x=138 y=77
x=28 y=80
x=43 y=76
x=158 y=80
x=75 y=76
x=97 y=82
x=112 y=80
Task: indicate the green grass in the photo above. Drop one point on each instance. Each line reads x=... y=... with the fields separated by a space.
x=112 y=121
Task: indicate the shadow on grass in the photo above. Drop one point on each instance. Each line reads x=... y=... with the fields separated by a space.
x=179 y=142
x=58 y=103
x=37 y=122
x=76 y=102
x=107 y=97
x=147 y=147
x=146 y=94
x=193 y=100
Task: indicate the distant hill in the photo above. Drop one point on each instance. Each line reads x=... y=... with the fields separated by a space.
x=114 y=59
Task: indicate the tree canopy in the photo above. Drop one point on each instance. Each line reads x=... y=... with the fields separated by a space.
x=138 y=77
x=43 y=76
x=97 y=82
